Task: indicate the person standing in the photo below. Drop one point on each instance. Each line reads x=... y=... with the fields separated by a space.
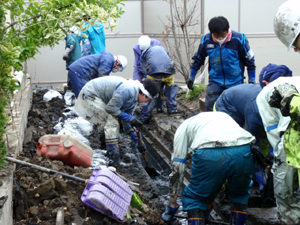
x=95 y=41
x=72 y=50
x=229 y=52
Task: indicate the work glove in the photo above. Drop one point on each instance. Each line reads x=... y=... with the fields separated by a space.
x=282 y=96
x=190 y=84
x=65 y=57
x=141 y=148
x=67 y=51
x=135 y=122
x=134 y=136
x=191 y=79
x=169 y=215
x=251 y=74
x=176 y=177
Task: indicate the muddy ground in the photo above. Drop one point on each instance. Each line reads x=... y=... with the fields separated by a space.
x=41 y=195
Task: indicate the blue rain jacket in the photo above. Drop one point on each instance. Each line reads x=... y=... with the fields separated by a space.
x=138 y=73
x=73 y=39
x=155 y=60
x=90 y=67
x=94 y=66
x=117 y=93
x=226 y=62
x=96 y=37
x=240 y=103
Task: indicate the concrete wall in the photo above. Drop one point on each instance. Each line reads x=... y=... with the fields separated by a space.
x=252 y=17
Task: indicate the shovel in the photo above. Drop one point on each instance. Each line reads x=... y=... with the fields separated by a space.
x=150 y=170
x=104 y=191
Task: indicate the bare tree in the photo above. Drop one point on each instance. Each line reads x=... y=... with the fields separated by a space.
x=181 y=27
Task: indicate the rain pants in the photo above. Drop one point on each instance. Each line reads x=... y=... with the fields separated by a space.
x=226 y=63
x=73 y=40
x=138 y=73
x=96 y=37
x=90 y=67
x=285 y=176
x=239 y=102
x=103 y=99
x=221 y=151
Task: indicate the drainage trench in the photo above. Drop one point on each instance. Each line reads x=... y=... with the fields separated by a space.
x=42 y=196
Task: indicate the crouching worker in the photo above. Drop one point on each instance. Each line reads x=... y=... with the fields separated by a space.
x=94 y=66
x=221 y=151
x=103 y=100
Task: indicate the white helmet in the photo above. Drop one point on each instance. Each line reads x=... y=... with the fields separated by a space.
x=74 y=29
x=287 y=22
x=144 y=42
x=122 y=61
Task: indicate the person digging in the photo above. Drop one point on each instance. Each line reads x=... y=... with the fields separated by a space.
x=104 y=100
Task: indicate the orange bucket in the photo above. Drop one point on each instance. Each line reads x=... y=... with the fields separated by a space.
x=65 y=148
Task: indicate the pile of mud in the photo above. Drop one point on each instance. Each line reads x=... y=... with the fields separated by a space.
x=41 y=195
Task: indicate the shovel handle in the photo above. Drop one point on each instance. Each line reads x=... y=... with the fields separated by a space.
x=44 y=169
x=138 y=132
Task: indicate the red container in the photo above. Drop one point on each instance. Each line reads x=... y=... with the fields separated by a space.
x=65 y=148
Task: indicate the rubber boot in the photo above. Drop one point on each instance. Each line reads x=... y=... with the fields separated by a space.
x=196 y=217
x=238 y=214
x=171 y=92
x=113 y=153
x=102 y=141
x=169 y=215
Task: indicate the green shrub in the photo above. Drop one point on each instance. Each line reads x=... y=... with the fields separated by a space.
x=193 y=94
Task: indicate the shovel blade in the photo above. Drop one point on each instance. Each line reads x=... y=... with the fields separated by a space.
x=108 y=194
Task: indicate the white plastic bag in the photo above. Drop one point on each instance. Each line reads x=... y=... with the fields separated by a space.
x=74 y=133
x=51 y=94
x=84 y=127
x=70 y=98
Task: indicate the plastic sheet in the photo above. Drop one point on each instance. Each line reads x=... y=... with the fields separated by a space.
x=99 y=160
x=84 y=127
x=69 y=98
x=51 y=94
x=74 y=133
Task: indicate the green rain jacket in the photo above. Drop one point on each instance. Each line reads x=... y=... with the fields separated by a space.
x=291 y=136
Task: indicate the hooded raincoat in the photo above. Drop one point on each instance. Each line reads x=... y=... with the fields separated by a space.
x=96 y=37
x=73 y=40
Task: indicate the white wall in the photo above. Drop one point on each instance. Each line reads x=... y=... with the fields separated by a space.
x=252 y=17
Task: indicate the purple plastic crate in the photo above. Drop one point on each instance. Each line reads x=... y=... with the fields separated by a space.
x=109 y=179
x=108 y=194
x=105 y=201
